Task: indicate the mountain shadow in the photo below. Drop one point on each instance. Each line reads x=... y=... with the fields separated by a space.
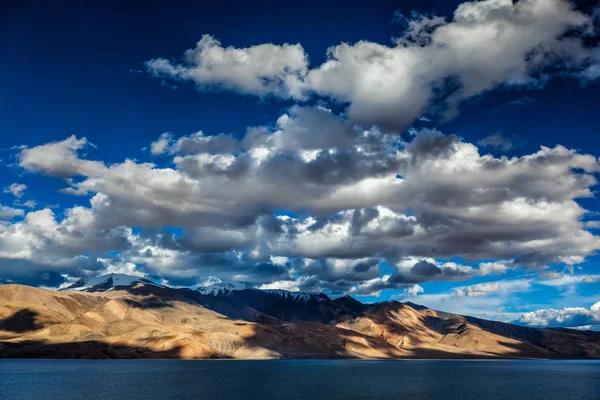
x=83 y=350
x=21 y=321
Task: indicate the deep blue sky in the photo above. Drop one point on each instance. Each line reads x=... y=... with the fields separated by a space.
x=68 y=70
x=77 y=68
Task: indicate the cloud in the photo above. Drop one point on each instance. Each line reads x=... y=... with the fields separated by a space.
x=434 y=66
x=414 y=290
x=39 y=244
x=318 y=200
x=410 y=272
x=290 y=286
x=265 y=69
x=592 y=72
x=16 y=189
x=501 y=142
x=492 y=299
x=341 y=202
x=30 y=204
x=356 y=197
x=564 y=318
x=58 y=158
x=503 y=287
x=112 y=266
x=567 y=280
x=161 y=145
x=8 y=213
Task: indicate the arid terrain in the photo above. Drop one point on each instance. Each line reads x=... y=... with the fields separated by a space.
x=149 y=321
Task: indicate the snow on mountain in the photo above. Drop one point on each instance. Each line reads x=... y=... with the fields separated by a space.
x=298 y=296
x=216 y=287
x=211 y=287
x=106 y=282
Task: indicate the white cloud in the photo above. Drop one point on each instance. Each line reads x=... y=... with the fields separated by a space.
x=503 y=287
x=16 y=189
x=566 y=317
x=58 y=158
x=567 y=279
x=161 y=145
x=363 y=194
x=493 y=268
x=261 y=70
x=414 y=290
x=30 y=204
x=119 y=267
x=368 y=196
x=433 y=67
x=489 y=307
x=40 y=244
x=290 y=286
x=485 y=45
x=8 y=213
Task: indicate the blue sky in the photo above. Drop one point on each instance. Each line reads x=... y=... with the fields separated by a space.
x=432 y=151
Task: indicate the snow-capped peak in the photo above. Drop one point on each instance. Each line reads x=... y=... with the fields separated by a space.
x=298 y=296
x=213 y=286
x=216 y=287
x=106 y=282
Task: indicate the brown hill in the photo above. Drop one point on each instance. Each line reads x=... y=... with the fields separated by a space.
x=149 y=322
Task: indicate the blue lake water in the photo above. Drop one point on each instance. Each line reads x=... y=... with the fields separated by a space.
x=305 y=379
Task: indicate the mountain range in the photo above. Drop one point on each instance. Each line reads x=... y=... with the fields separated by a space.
x=121 y=316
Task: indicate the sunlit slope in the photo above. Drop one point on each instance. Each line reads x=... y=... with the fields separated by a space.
x=145 y=321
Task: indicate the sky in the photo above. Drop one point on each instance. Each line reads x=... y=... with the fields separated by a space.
x=440 y=152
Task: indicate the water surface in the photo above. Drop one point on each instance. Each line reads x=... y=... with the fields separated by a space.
x=303 y=379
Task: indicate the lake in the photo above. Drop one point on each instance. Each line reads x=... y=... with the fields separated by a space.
x=298 y=379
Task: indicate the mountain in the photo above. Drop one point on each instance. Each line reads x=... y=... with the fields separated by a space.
x=106 y=282
x=301 y=297
x=216 y=287
x=145 y=320
x=259 y=305
x=236 y=299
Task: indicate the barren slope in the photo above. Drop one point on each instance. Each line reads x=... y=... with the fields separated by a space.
x=36 y=322
x=151 y=322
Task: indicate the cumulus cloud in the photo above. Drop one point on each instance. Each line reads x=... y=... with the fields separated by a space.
x=8 y=213
x=261 y=70
x=410 y=272
x=414 y=290
x=161 y=145
x=290 y=286
x=564 y=318
x=361 y=195
x=58 y=158
x=112 y=266
x=318 y=200
x=436 y=64
x=40 y=245
x=433 y=66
